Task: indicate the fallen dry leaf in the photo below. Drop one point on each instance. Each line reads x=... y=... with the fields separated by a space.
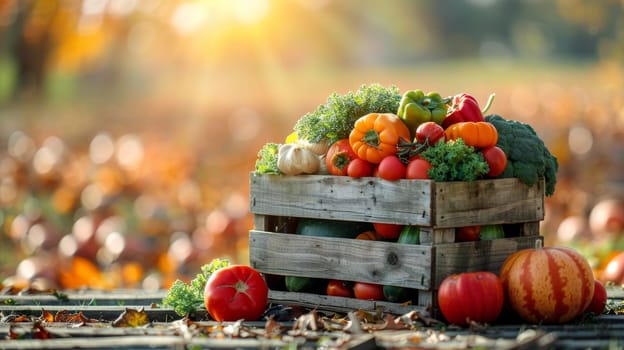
x=37 y=331
x=132 y=318
x=65 y=316
x=272 y=328
x=46 y=316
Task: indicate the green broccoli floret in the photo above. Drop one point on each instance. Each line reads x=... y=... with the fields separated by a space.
x=267 y=159
x=185 y=298
x=335 y=119
x=528 y=158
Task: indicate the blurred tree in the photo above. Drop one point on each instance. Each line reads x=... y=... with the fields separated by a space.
x=28 y=39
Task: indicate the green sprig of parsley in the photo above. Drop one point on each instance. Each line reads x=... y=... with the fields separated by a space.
x=185 y=298
x=335 y=119
x=267 y=159
x=455 y=161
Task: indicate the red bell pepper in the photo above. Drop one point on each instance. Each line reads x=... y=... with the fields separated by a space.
x=465 y=108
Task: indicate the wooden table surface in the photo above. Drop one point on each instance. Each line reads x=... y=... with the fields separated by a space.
x=167 y=330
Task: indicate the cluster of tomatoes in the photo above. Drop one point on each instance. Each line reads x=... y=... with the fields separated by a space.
x=343 y=158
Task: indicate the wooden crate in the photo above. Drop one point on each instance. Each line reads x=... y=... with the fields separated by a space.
x=436 y=207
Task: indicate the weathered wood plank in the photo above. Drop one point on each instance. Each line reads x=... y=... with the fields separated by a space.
x=347 y=259
x=408 y=202
x=342 y=198
x=488 y=202
x=340 y=304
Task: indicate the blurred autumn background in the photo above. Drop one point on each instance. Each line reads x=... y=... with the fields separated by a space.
x=128 y=128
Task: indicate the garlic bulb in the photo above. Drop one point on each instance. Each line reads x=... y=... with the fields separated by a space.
x=295 y=159
x=319 y=148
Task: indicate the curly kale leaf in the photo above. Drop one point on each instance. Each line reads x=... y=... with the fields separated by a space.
x=528 y=158
x=455 y=161
x=335 y=119
x=267 y=159
x=184 y=298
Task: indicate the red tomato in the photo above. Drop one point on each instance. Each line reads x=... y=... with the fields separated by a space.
x=417 y=168
x=496 y=159
x=236 y=292
x=359 y=168
x=368 y=291
x=599 y=300
x=467 y=233
x=338 y=157
x=471 y=296
x=430 y=132
x=388 y=231
x=340 y=289
x=391 y=168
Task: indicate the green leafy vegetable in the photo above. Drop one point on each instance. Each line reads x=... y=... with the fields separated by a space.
x=335 y=119
x=185 y=298
x=267 y=159
x=455 y=161
x=528 y=158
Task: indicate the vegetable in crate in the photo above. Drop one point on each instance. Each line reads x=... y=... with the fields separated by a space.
x=267 y=159
x=295 y=159
x=334 y=120
x=475 y=134
x=339 y=288
x=416 y=108
x=528 y=158
x=331 y=228
x=338 y=157
x=496 y=159
x=455 y=161
x=376 y=136
x=489 y=232
x=465 y=108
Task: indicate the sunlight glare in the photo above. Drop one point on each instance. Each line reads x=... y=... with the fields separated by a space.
x=249 y=11
x=188 y=17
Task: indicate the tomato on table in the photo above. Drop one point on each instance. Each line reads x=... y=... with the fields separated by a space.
x=599 y=299
x=236 y=292
x=471 y=296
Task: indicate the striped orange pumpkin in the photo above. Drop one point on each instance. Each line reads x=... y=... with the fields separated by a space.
x=547 y=284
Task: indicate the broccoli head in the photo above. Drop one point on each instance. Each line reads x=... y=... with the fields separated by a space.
x=528 y=158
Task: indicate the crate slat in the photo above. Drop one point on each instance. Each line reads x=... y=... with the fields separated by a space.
x=341 y=304
x=341 y=198
x=407 y=202
x=487 y=202
x=348 y=259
